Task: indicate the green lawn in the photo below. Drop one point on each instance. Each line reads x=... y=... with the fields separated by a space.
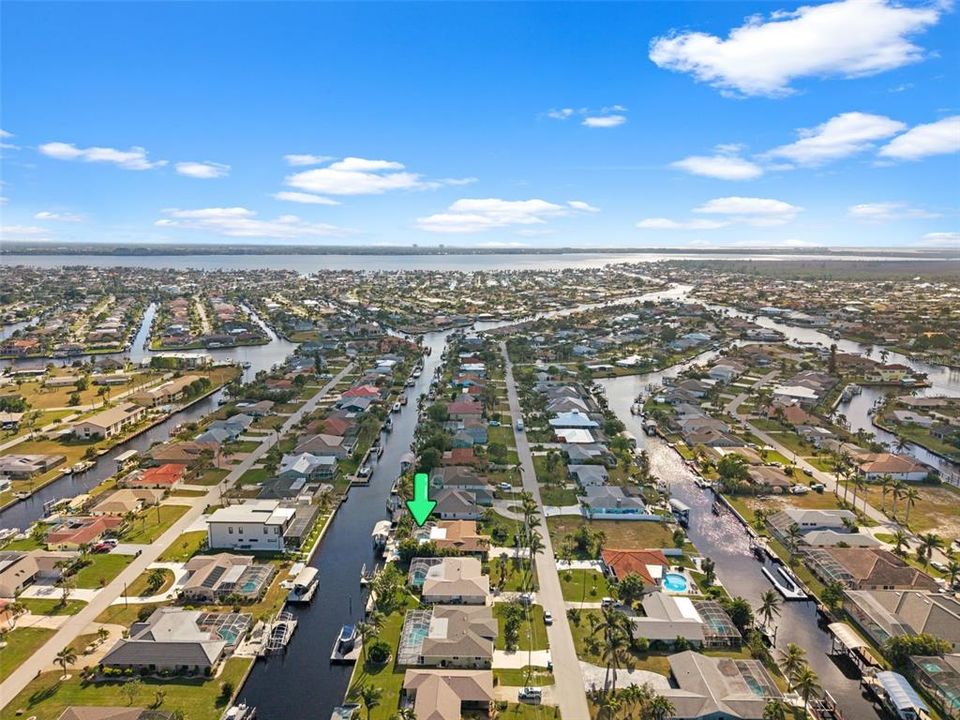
x=152 y=523
x=184 y=547
x=619 y=534
x=515 y=574
x=533 y=631
x=210 y=477
x=584 y=585
x=254 y=476
x=52 y=607
x=46 y=697
x=526 y=676
x=554 y=495
x=126 y=615
x=140 y=587
x=21 y=644
x=101 y=570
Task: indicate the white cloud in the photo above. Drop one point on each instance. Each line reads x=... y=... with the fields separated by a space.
x=757 y=212
x=471 y=215
x=887 y=211
x=936 y=138
x=849 y=38
x=241 y=222
x=943 y=238
x=58 y=216
x=840 y=136
x=561 y=114
x=668 y=224
x=306 y=159
x=721 y=167
x=305 y=198
x=133 y=159
x=24 y=233
x=604 y=121
x=203 y=170
x=4 y=135
x=359 y=176
x=751 y=210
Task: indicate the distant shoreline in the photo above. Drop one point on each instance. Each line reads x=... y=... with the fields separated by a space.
x=132 y=250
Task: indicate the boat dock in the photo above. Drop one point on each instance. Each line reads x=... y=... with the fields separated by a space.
x=784 y=582
x=279 y=633
x=304 y=586
x=346 y=649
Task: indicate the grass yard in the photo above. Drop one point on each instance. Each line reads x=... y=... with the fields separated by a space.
x=533 y=632
x=514 y=575
x=126 y=615
x=589 y=586
x=529 y=676
x=21 y=644
x=153 y=522
x=210 y=477
x=937 y=510
x=555 y=495
x=141 y=588
x=254 y=476
x=524 y=711
x=39 y=606
x=101 y=570
x=184 y=547
x=47 y=697
x=619 y=534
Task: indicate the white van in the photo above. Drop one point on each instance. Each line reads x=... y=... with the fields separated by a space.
x=520 y=425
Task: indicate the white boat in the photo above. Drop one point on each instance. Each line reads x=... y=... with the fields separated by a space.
x=381 y=533
x=304 y=586
x=83 y=466
x=397 y=407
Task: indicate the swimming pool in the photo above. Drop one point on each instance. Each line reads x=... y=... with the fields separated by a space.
x=675 y=582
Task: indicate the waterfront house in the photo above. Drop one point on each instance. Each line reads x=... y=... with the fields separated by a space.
x=869 y=568
x=93 y=712
x=459 y=636
x=308 y=466
x=164 y=477
x=701 y=623
x=76 y=531
x=187 y=453
x=127 y=500
x=874 y=466
x=456 y=581
x=172 y=640
x=448 y=694
x=108 y=423
x=883 y=614
x=811 y=519
x=588 y=475
x=251 y=525
x=24 y=467
x=573 y=420
x=610 y=502
x=465 y=410
x=459 y=535
x=165 y=393
x=322 y=445
x=215 y=578
x=707 y=687
x=17 y=570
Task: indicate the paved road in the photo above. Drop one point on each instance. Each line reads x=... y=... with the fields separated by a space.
x=569 y=693
x=44 y=657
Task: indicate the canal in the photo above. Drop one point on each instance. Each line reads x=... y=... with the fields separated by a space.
x=723 y=539
x=302 y=682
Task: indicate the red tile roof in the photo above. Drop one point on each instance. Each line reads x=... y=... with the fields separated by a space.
x=623 y=562
x=169 y=474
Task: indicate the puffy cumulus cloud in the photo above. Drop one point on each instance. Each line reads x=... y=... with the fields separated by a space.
x=58 y=216
x=750 y=210
x=24 y=233
x=203 y=170
x=244 y=223
x=604 y=121
x=133 y=159
x=727 y=211
x=306 y=159
x=472 y=215
x=937 y=138
x=948 y=239
x=304 y=198
x=722 y=166
x=765 y=55
x=839 y=137
x=360 y=176
x=888 y=211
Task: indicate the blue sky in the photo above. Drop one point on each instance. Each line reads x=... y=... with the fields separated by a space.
x=541 y=124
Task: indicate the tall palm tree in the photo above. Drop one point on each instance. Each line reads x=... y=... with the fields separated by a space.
x=794 y=534
x=775 y=709
x=897 y=490
x=792 y=660
x=769 y=607
x=614 y=627
x=910 y=498
x=886 y=487
x=928 y=543
x=659 y=708
x=65 y=657
x=953 y=571
x=369 y=695
x=900 y=538
x=806 y=683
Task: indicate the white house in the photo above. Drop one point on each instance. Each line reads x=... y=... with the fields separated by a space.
x=252 y=525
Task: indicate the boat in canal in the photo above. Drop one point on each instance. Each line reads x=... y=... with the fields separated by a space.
x=304 y=586
x=345 y=648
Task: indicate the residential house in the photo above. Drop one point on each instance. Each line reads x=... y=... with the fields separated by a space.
x=866 y=568
x=251 y=525
x=127 y=500
x=459 y=535
x=610 y=502
x=448 y=694
x=76 y=531
x=456 y=581
x=710 y=688
x=701 y=623
x=164 y=477
x=108 y=423
x=24 y=467
x=215 y=578
x=883 y=614
x=17 y=570
x=649 y=565
x=874 y=466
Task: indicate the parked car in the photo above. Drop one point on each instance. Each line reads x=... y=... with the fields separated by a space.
x=607 y=602
x=520 y=425
x=547 y=618
x=530 y=694
x=101 y=547
x=505 y=486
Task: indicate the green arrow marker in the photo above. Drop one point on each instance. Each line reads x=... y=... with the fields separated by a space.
x=421 y=506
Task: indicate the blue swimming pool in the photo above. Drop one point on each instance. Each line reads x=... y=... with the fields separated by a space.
x=675 y=582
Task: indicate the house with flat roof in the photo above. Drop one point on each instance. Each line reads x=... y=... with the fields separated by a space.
x=456 y=581
x=448 y=694
x=108 y=423
x=24 y=467
x=250 y=525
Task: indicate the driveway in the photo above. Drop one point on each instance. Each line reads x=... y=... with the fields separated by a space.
x=516 y=659
x=594 y=676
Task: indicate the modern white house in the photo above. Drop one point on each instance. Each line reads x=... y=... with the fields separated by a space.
x=252 y=525
x=109 y=422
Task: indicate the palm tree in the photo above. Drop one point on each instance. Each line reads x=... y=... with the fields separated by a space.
x=929 y=543
x=659 y=708
x=769 y=607
x=792 y=660
x=953 y=570
x=406 y=713
x=535 y=546
x=806 y=683
x=886 y=487
x=794 y=534
x=910 y=497
x=900 y=538
x=155 y=580
x=775 y=709
x=860 y=486
x=897 y=490
x=65 y=657
x=369 y=695
x=615 y=628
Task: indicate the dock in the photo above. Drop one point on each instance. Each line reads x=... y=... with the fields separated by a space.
x=279 y=633
x=346 y=649
x=784 y=583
